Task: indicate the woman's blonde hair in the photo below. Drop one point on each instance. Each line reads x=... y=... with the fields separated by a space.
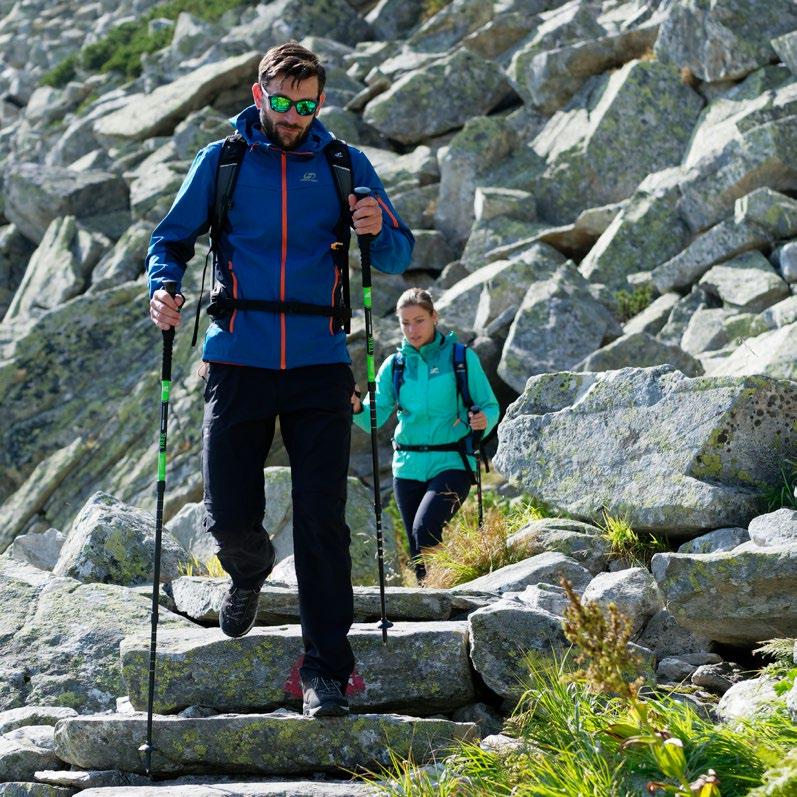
x=415 y=297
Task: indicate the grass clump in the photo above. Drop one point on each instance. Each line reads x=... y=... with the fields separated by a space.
x=468 y=551
x=120 y=50
x=587 y=727
x=196 y=567
x=631 y=303
x=783 y=493
x=626 y=543
x=432 y=7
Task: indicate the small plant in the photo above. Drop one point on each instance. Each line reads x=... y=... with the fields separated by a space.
x=432 y=7
x=468 y=552
x=631 y=303
x=626 y=543
x=196 y=567
x=61 y=74
x=783 y=493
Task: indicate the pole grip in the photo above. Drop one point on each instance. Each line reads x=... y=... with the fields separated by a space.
x=476 y=436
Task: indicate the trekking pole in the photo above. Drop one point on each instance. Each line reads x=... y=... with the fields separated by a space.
x=476 y=437
x=166 y=382
x=364 y=242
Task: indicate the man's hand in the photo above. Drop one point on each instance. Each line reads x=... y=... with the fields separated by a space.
x=356 y=403
x=164 y=310
x=366 y=215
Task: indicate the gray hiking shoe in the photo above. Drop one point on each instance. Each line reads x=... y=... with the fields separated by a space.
x=238 y=611
x=323 y=697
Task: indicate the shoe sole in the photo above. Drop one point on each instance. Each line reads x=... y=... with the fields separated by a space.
x=327 y=710
x=243 y=633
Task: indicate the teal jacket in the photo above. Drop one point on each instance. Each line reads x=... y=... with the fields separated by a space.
x=430 y=411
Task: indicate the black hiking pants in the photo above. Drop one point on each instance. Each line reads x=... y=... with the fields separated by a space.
x=314 y=408
x=426 y=507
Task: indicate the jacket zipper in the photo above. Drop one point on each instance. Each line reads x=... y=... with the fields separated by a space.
x=283 y=259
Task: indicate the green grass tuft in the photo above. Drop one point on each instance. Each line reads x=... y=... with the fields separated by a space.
x=626 y=543
x=630 y=303
x=783 y=494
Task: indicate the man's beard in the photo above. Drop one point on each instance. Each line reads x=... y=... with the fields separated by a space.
x=275 y=135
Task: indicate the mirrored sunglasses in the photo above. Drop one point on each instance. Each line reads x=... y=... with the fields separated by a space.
x=282 y=104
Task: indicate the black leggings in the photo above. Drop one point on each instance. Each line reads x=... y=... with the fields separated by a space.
x=427 y=506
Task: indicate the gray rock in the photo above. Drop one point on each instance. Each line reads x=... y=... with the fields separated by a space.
x=721 y=242
x=187 y=527
x=774 y=528
x=785 y=259
x=713 y=328
x=451 y=23
x=487 y=719
x=557 y=325
x=786 y=47
x=639 y=350
x=770 y=353
x=791 y=703
x=718 y=677
x=25 y=750
x=644 y=234
x=639 y=454
x=159 y=112
x=716 y=541
x=746 y=699
x=680 y=316
x=502 y=634
x=92 y=779
x=549 y=598
x=633 y=591
x=38 y=549
x=36 y=196
x=231 y=786
x=113 y=543
x=200 y=599
x=770 y=210
x=654 y=316
x=748 y=282
x=423 y=670
x=416 y=206
x=394 y=19
x=33 y=715
x=474 y=302
x=674 y=669
x=781 y=314
x=27 y=789
x=471 y=155
x=587 y=146
x=59 y=269
x=703 y=592
x=547 y=567
x=15 y=251
x=724 y=40
x=432 y=251
x=665 y=637
x=409 y=111
x=576 y=540
x=214 y=744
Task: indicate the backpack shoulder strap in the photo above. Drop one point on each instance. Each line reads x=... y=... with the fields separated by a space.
x=460 y=357
x=339 y=159
x=398 y=375
x=232 y=154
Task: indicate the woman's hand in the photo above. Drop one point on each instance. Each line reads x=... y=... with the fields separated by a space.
x=478 y=421
x=356 y=404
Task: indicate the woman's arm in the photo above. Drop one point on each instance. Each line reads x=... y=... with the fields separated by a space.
x=480 y=390
x=385 y=398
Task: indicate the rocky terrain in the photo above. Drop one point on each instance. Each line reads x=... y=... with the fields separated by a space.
x=604 y=199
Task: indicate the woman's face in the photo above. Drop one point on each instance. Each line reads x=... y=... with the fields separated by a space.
x=417 y=324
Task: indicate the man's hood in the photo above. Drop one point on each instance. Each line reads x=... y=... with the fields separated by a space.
x=247 y=123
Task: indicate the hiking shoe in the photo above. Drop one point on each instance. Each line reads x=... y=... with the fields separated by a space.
x=323 y=697
x=238 y=611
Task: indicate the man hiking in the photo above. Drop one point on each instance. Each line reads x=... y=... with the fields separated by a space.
x=277 y=348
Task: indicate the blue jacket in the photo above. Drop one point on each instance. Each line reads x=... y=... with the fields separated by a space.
x=282 y=220
x=431 y=411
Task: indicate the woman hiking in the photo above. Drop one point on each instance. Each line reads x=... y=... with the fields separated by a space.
x=443 y=397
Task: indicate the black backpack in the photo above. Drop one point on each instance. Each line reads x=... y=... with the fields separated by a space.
x=232 y=154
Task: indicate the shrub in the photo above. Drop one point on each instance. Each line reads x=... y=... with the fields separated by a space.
x=630 y=303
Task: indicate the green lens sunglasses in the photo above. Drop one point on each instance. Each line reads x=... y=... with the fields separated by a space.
x=282 y=104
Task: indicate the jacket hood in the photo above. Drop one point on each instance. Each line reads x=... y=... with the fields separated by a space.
x=247 y=123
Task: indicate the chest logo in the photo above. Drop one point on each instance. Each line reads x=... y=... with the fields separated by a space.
x=309 y=177
x=434 y=370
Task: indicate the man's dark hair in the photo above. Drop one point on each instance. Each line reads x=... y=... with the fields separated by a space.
x=293 y=62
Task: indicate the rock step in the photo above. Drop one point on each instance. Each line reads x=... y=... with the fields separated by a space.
x=280 y=743
x=424 y=668
x=293 y=788
x=200 y=597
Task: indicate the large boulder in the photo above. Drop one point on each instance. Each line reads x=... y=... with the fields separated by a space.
x=160 y=111
x=590 y=148
x=60 y=638
x=741 y=596
x=774 y=528
x=557 y=325
x=411 y=110
x=725 y=39
x=639 y=350
x=113 y=543
x=632 y=590
x=770 y=353
x=36 y=196
x=674 y=454
x=747 y=282
x=503 y=635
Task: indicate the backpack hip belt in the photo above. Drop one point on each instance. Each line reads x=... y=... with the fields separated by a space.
x=464 y=446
